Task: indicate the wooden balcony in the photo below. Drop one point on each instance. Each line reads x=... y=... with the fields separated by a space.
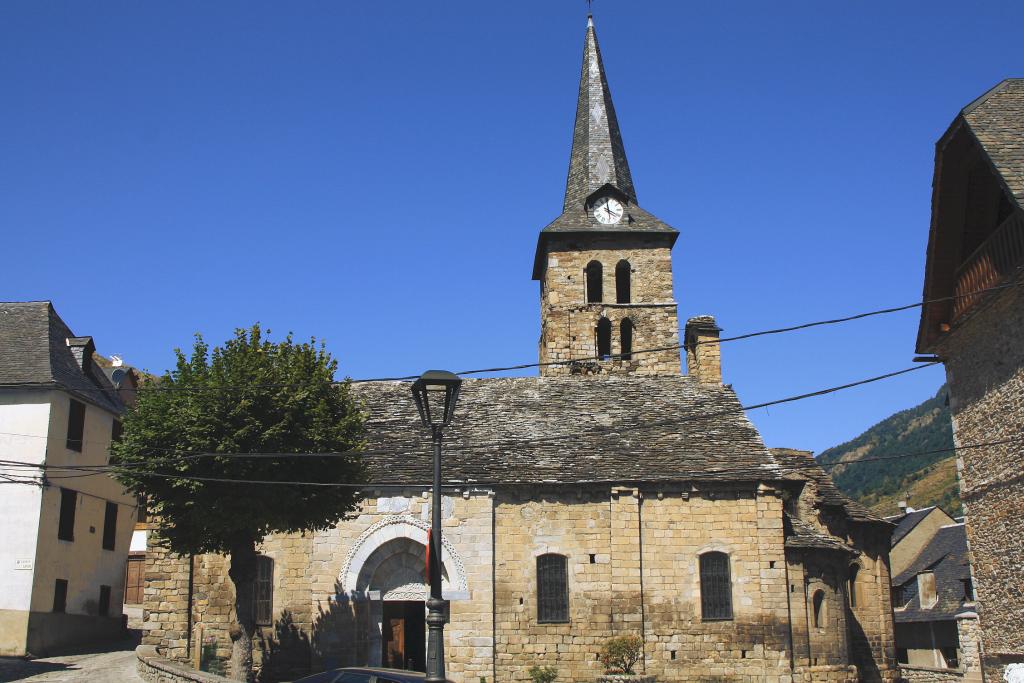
x=991 y=264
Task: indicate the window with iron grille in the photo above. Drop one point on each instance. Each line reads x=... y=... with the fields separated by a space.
x=263 y=591
x=552 y=589
x=715 y=587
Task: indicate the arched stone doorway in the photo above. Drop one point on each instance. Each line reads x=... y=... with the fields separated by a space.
x=386 y=571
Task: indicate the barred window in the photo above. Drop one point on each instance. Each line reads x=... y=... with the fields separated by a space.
x=852 y=584
x=263 y=591
x=552 y=589
x=715 y=587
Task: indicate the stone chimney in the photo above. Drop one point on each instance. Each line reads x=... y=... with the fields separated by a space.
x=82 y=349
x=703 y=355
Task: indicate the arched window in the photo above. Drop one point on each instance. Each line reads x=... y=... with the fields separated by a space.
x=622 y=271
x=715 y=587
x=626 y=338
x=819 y=608
x=593 y=276
x=604 y=338
x=263 y=591
x=552 y=589
x=851 y=586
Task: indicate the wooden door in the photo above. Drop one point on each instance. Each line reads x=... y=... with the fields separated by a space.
x=394 y=640
x=135 y=580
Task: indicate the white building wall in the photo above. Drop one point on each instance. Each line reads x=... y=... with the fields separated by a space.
x=82 y=562
x=24 y=421
x=33 y=429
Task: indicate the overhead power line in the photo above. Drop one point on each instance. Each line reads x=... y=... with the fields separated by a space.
x=505 y=443
x=659 y=349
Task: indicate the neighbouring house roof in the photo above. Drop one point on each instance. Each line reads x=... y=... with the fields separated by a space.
x=802 y=463
x=570 y=429
x=906 y=523
x=946 y=557
x=35 y=353
x=995 y=122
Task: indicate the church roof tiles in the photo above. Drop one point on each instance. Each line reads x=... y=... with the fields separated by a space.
x=571 y=429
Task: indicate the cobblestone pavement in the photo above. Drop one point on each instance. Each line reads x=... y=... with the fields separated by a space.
x=115 y=664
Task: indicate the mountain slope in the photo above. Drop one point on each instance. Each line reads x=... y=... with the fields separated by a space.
x=921 y=480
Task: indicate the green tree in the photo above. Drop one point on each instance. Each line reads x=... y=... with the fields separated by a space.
x=249 y=396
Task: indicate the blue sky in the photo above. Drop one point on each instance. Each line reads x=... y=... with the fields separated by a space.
x=375 y=174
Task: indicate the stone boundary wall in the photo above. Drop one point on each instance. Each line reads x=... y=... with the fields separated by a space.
x=153 y=668
x=927 y=674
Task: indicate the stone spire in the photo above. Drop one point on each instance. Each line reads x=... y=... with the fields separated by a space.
x=598 y=157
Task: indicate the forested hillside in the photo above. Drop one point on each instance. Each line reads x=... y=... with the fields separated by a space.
x=920 y=480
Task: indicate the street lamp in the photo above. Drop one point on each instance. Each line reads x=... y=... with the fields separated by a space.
x=436 y=392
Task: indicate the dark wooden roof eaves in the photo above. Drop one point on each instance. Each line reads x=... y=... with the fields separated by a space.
x=802 y=463
x=35 y=354
x=532 y=430
x=946 y=556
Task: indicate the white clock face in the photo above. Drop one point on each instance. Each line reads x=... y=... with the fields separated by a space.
x=608 y=210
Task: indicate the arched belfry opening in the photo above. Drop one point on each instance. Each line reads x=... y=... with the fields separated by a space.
x=626 y=339
x=604 y=338
x=623 y=273
x=593 y=275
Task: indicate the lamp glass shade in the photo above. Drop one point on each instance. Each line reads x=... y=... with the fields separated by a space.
x=436 y=392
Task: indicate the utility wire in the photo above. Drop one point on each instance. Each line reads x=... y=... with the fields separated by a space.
x=513 y=443
x=673 y=347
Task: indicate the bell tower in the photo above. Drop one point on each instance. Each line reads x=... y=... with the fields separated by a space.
x=605 y=264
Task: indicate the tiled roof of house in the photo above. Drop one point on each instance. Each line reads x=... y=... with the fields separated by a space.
x=34 y=353
x=571 y=429
x=997 y=121
x=945 y=556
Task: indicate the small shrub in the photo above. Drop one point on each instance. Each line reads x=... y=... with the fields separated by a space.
x=620 y=654
x=543 y=674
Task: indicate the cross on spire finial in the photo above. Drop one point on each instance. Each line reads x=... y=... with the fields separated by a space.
x=590 y=6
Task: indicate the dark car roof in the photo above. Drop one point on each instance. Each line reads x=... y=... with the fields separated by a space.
x=397 y=675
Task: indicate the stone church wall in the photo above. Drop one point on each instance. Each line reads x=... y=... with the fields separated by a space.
x=984 y=361
x=568 y=322
x=633 y=568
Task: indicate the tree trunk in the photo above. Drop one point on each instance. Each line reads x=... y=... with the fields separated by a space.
x=243 y=575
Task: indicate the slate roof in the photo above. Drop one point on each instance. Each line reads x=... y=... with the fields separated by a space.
x=803 y=464
x=597 y=162
x=801 y=535
x=997 y=121
x=946 y=556
x=598 y=156
x=605 y=428
x=34 y=353
x=905 y=523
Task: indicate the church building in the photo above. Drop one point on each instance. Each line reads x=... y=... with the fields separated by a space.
x=610 y=495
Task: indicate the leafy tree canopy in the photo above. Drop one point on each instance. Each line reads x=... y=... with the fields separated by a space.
x=249 y=396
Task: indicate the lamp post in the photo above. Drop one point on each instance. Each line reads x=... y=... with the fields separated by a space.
x=436 y=392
